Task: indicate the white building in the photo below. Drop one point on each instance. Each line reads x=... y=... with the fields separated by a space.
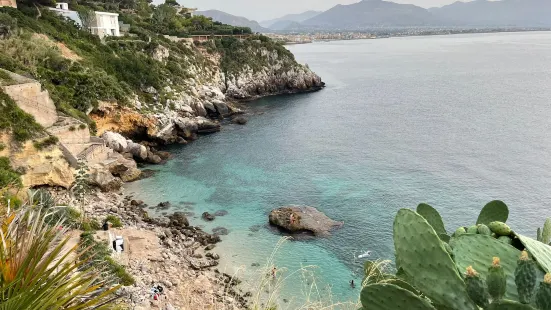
x=104 y=24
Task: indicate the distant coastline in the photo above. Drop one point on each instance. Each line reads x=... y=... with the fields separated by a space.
x=313 y=37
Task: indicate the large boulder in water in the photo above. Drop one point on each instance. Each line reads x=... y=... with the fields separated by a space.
x=304 y=219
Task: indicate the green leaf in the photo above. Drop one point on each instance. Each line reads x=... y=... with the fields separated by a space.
x=540 y=252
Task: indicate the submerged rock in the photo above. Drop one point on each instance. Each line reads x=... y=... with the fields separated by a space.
x=240 y=120
x=207 y=216
x=298 y=219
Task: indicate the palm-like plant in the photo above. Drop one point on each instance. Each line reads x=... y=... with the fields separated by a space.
x=39 y=271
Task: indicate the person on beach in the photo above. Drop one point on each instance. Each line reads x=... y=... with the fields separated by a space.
x=292 y=218
x=274 y=270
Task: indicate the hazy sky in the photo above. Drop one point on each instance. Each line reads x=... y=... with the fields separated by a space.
x=260 y=10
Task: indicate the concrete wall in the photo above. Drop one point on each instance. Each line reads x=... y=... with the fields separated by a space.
x=76 y=140
x=11 y=3
x=32 y=99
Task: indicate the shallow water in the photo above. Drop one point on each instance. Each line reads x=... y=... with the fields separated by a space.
x=454 y=121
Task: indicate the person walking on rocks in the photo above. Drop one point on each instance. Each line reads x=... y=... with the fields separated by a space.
x=292 y=219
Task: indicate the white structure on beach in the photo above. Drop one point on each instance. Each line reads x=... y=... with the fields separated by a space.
x=104 y=24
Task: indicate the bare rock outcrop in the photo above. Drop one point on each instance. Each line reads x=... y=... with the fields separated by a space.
x=299 y=219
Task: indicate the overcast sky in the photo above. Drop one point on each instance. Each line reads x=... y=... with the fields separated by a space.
x=260 y=10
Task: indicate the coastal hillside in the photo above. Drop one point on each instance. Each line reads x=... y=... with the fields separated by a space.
x=171 y=84
x=233 y=20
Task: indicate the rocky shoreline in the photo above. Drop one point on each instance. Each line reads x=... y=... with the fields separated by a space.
x=166 y=251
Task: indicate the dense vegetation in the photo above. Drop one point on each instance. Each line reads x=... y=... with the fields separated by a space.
x=38 y=268
x=484 y=265
x=22 y=125
x=8 y=177
x=79 y=69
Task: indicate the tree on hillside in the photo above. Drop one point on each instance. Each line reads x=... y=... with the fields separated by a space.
x=87 y=18
x=172 y=2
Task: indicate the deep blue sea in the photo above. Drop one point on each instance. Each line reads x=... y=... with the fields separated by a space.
x=454 y=121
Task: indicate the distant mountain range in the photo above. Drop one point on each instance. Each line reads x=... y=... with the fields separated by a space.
x=233 y=20
x=288 y=20
x=496 y=13
x=368 y=14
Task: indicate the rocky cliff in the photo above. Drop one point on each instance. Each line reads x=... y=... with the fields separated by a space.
x=219 y=74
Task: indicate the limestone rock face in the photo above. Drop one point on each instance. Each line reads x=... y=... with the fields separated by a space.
x=105 y=180
x=297 y=219
x=115 y=141
x=46 y=167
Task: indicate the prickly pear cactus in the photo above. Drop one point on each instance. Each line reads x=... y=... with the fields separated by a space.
x=508 y=305
x=543 y=296
x=391 y=297
x=540 y=252
x=476 y=288
x=493 y=211
x=539 y=236
x=525 y=278
x=546 y=232
x=484 y=230
x=500 y=228
x=472 y=229
x=460 y=231
x=421 y=255
x=444 y=238
x=433 y=217
x=478 y=251
x=505 y=239
x=496 y=280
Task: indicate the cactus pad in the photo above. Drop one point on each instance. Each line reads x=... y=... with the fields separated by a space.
x=391 y=297
x=460 y=231
x=525 y=278
x=479 y=250
x=540 y=252
x=444 y=238
x=421 y=254
x=546 y=232
x=508 y=305
x=476 y=287
x=505 y=239
x=543 y=296
x=496 y=280
x=433 y=217
x=493 y=211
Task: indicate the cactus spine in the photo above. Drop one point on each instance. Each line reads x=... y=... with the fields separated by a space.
x=496 y=281
x=476 y=288
x=543 y=296
x=525 y=278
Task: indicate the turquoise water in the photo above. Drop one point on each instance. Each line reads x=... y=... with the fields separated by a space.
x=455 y=121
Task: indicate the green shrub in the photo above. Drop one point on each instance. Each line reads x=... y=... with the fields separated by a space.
x=90 y=225
x=51 y=140
x=82 y=126
x=115 y=220
x=101 y=254
x=7 y=175
x=2 y=147
x=22 y=125
x=72 y=128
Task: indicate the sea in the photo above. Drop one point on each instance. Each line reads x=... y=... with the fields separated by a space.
x=454 y=121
